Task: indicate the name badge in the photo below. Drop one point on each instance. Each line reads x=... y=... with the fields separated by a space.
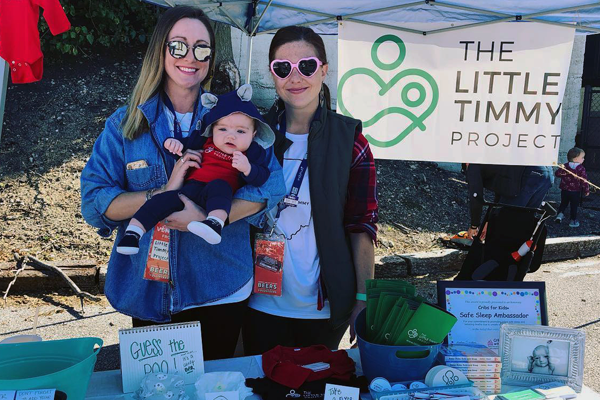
x=157 y=266
x=268 y=265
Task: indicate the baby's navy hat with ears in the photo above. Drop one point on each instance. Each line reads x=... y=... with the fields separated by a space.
x=236 y=101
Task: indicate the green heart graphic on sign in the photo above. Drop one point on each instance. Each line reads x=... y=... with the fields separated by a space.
x=417 y=121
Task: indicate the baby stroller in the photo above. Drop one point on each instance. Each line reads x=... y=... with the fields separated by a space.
x=514 y=244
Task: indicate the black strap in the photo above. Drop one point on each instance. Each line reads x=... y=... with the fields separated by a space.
x=177 y=132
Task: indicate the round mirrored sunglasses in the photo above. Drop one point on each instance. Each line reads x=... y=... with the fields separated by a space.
x=179 y=49
x=306 y=66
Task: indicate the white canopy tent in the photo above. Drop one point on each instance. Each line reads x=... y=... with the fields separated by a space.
x=261 y=16
x=426 y=17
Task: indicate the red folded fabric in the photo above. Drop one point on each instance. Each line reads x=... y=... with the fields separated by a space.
x=284 y=364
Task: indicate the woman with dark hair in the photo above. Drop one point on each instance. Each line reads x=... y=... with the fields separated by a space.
x=128 y=165
x=328 y=217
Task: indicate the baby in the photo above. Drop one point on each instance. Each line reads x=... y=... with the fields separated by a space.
x=539 y=361
x=233 y=139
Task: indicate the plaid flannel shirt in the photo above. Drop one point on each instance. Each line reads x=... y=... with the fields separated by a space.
x=361 y=212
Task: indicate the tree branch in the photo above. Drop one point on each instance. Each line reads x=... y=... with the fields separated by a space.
x=79 y=292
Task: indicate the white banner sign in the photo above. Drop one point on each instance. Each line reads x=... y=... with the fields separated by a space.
x=489 y=94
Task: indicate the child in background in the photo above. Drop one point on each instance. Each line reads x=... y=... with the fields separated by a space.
x=571 y=186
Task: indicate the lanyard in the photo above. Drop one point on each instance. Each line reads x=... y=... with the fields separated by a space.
x=292 y=198
x=177 y=132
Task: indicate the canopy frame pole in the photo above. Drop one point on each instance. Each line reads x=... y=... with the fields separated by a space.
x=582 y=27
x=292 y=8
x=236 y=23
x=499 y=14
x=261 y=17
x=503 y=17
x=214 y=4
x=455 y=28
x=508 y=17
x=349 y=17
x=384 y=9
x=561 y=10
x=472 y=9
x=397 y=28
x=356 y=14
x=249 y=56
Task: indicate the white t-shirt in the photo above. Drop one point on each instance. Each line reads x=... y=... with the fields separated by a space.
x=301 y=268
x=185 y=120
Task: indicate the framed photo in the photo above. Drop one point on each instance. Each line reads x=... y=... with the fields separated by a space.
x=482 y=306
x=533 y=354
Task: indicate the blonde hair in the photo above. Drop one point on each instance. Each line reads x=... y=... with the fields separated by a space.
x=152 y=76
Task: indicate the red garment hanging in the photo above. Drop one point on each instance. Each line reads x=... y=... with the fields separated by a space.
x=20 y=39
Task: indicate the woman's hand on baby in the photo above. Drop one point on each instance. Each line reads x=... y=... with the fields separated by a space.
x=191 y=212
x=189 y=159
x=174 y=146
x=241 y=163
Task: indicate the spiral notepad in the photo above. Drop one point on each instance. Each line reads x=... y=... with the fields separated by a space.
x=160 y=349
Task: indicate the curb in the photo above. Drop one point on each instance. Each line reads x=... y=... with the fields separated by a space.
x=450 y=260
x=89 y=276
x=84 y=273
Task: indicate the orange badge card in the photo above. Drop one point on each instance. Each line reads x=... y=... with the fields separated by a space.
x=157 y=268
x=268 y=265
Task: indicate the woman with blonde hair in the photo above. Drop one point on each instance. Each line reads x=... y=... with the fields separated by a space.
x=129 y=165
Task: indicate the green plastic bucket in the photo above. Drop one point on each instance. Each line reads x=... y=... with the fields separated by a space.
x=65 y=365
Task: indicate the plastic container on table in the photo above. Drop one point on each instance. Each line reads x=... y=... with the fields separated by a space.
x=458 y=390
x=22 y=339
x=394 y=363
x=65 y=365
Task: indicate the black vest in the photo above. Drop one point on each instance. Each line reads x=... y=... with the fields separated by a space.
x=330 y=143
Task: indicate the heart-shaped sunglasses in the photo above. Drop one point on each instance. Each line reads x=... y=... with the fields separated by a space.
x=306 y=66
x=179 y=49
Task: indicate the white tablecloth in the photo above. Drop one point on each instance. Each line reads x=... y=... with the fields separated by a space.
x=107 y=384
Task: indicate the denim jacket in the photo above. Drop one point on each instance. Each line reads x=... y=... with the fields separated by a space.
x=200 y=273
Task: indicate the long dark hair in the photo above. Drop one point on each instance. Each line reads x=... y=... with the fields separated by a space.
x=301 y=34
x=152 y=75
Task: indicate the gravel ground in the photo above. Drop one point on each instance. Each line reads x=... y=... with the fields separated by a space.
x=60 y=316
x=50 y=127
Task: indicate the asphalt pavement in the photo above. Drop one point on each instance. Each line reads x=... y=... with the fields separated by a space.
x=572 y=292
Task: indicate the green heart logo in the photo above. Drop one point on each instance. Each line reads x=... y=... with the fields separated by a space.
x=417 y=121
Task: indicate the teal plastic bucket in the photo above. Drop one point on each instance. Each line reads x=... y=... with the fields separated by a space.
x=393 y=362
x=65 y=365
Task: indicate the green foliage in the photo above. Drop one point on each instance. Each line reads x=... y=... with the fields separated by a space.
x=106 y=23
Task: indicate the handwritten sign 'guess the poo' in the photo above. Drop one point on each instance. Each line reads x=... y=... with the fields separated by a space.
x=160 y=349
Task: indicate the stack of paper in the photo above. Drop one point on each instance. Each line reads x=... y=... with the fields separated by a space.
x=479 y=363
x=555 y=391
x=526 y=394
